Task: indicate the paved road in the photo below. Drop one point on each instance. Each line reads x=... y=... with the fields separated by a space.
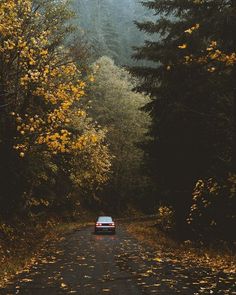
x=88 y=264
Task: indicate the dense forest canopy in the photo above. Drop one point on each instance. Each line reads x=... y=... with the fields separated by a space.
x=77 y=130
x=57 y=151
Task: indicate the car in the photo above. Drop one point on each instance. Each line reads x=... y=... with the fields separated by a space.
x=105 y=224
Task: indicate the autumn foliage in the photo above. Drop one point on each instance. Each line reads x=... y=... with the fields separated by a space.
x=42 y=118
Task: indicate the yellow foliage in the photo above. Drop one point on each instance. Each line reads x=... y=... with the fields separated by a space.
x=45 y=106
x=192 y=29
x=183 y=46
x=48 y=77
x=212 y=55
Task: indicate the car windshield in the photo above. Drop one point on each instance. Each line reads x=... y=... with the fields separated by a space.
x=104 y=219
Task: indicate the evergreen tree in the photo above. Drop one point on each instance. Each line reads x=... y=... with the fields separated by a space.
x=193 y=94
x=109 y=26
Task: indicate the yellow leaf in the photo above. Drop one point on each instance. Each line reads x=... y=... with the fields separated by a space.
x=183 y=46
x=63 y=285
x=157 y=259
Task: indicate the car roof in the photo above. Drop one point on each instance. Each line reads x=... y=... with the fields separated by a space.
x=105 y=218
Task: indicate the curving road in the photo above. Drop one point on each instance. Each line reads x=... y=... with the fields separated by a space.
x=84 y=264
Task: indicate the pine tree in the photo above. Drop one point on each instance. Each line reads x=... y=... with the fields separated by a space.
x=193 y=93
x=109 y=26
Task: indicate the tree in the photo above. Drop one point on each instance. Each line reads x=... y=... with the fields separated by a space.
x=192 y=104
x=109 y=26
x=116 y=107
x=43 y=127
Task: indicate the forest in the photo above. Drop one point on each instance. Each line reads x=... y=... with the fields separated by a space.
x=120 y=107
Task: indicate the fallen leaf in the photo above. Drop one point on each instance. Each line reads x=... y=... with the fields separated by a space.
x=157 y=259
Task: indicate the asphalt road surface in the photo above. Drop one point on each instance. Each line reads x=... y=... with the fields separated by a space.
x=84 y=263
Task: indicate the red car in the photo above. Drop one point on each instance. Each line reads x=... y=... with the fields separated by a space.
x=105 y=224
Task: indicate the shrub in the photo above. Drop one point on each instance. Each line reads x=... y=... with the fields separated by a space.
x=165 y=218
x=212 y=212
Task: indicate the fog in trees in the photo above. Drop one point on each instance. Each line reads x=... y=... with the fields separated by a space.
x=118 y=101
x=109 y=26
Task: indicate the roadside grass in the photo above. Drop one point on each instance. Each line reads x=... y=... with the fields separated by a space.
x=222 y=259
x=21 y=244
